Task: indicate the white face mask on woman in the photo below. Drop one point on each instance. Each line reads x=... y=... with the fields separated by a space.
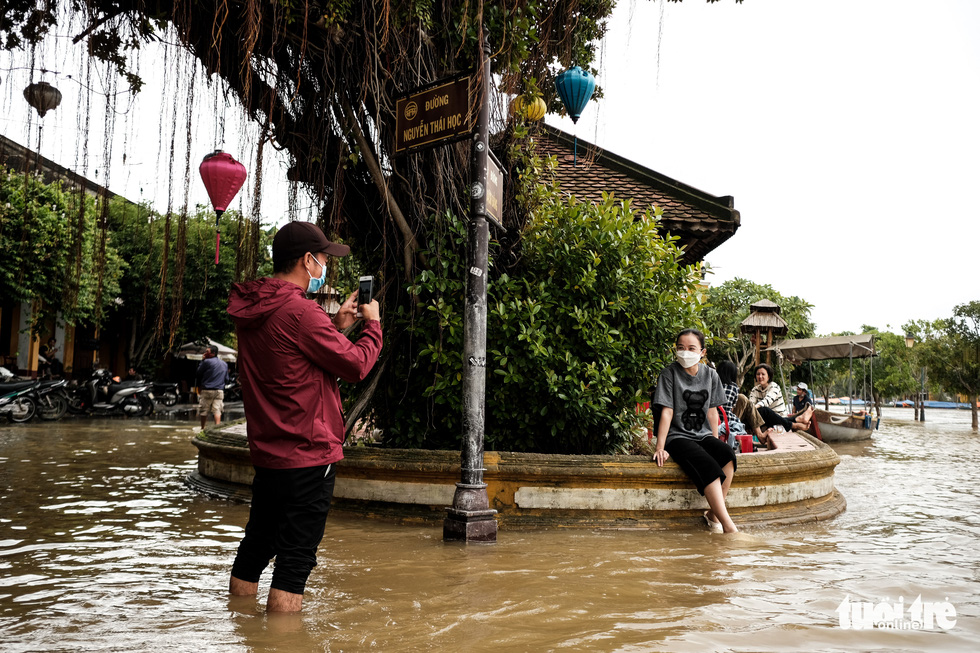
x=687 y=358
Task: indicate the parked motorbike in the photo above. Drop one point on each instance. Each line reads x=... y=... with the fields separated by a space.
x=16 y=402
x=233 y=389
x=50 y=399
x=102 y=395
x=165 y=393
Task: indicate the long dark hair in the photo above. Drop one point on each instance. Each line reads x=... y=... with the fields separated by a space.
x=727 y=372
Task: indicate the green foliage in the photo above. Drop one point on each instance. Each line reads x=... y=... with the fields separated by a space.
x=827 y=378
x=925 y=349
x=573 y=343
x=28 y=22
x=896 y=374
x=316 y=80
x=138 y=234
x=950 y=349
x=729 y=303
x=37 y=237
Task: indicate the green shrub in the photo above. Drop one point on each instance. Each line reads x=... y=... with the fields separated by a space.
x=573 y=342
x=37 y=240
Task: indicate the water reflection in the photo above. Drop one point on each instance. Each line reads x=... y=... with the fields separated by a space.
x=102 y=547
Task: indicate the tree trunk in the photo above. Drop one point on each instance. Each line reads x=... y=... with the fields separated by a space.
x=973 y=410
x=363 y=402
x=915 y=407
x=131 y=351
x=743 y=365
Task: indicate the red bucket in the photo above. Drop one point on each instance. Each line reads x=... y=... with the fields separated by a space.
x=744 y=443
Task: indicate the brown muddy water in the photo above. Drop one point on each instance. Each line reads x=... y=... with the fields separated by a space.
x=102 y=548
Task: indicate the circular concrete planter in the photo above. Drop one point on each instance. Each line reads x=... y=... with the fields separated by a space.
x=531 y=491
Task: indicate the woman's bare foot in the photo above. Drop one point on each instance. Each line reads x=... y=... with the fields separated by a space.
x=763 y=437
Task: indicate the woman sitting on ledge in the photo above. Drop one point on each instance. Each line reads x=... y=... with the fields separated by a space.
x=767 y=398
x=689 y=394
x=741 y=413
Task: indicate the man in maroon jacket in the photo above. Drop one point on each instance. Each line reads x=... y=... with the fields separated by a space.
x=290 y=355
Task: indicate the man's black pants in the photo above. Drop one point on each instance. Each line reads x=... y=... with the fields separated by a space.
x=286 y=521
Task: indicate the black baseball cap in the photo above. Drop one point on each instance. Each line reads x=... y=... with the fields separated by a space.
x=297 y=238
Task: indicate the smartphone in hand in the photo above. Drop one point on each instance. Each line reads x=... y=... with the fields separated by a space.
x=365 y=291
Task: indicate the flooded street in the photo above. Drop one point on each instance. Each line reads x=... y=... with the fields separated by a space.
x=103 y=548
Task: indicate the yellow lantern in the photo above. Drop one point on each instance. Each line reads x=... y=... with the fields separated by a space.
x=533 y=110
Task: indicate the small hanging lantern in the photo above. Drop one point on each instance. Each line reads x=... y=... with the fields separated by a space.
x=223 y=177
x=43 y=97
x=575 y=87
x=534 y=110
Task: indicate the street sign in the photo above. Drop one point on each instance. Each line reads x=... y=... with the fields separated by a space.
x=495 y=191
x=433 y=115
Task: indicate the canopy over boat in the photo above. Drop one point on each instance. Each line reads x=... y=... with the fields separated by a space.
x=832 y=347
x=818 y=349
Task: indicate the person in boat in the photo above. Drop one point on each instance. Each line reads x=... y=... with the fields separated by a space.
x=742 y=414
x=802 y=408
x=688 y=394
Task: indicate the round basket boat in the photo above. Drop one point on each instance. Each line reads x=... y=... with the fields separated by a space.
x=793 y=483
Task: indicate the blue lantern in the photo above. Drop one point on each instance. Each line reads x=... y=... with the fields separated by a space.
x=575 y=87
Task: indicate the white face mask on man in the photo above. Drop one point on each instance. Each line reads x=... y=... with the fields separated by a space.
x=316 y=282
x=687 y=358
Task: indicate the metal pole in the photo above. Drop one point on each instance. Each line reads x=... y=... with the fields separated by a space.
x=864 y=382
x=922 y=397
x=470 y=518
x=782 y=378
x=871 y=367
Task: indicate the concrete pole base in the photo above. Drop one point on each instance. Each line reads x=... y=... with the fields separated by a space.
x=470 y=519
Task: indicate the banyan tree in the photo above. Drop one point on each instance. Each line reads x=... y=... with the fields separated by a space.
x=320 y=78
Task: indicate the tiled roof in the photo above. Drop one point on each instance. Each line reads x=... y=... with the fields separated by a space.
x=16 y=156
x=701 y=221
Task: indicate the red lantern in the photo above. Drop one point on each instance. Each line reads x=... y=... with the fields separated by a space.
x=223 y=177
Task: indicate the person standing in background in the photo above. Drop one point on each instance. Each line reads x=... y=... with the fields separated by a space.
x=212 y=376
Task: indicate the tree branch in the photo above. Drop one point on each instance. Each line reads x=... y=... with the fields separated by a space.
x=411 y=244
x=99 y=23
x=364 y=400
